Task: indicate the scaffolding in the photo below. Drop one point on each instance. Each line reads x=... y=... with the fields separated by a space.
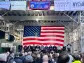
x=72 y=20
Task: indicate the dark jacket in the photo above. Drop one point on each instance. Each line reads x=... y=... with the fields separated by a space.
x=22 y=58
x=38 y=60
x=18 y=60
x=63 y=59
x=49 y=61
x=11 y=60
x=41 y=61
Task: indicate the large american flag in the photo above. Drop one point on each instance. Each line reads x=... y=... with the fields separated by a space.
x=46 y=35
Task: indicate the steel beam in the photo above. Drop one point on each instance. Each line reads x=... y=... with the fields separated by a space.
x=23 y=18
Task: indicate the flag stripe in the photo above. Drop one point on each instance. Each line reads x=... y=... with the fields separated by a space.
x=53 y=32
x=43 y=39
x=60 y=36
x=52 y=28
x=30 y=43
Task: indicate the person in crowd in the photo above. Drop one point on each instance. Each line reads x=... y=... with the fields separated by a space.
x=38 y=47
x=54 y=48
x=50 y=48
x=8 y=53
x=64 y=48
x=45 y=59
x=30 y=48
x=17 y=58
x=38 y=59
x=20 y=48
x=77 y=59
x=25 y=48
x=22 y=57
x=70 y=58
x=42 y=48
x=59 y=49
x=33 y=48
x=46 y=48
x=69 y=47
x=63 y=58
x=82 y=57
x=10 y=58
x=28 y=58
x=55 y=57
x=34 y=55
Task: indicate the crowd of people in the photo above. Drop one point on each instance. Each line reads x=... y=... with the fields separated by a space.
x=41 y=48
x=41 y=54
